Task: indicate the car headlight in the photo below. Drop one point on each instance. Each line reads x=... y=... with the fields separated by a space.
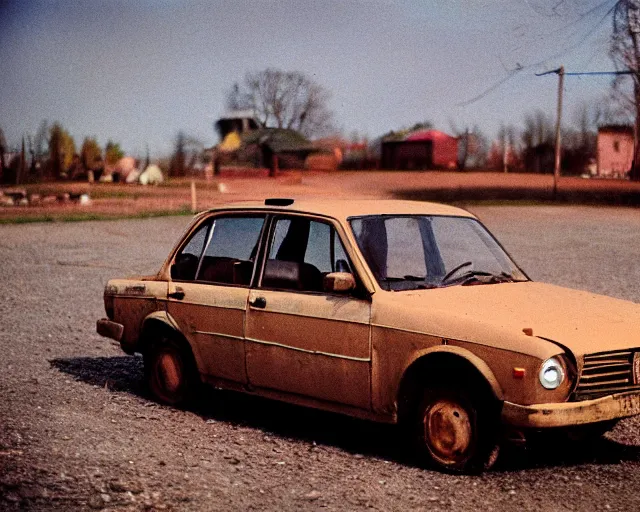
x=551 y=373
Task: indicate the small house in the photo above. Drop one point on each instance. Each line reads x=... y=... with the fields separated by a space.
x=615 y=151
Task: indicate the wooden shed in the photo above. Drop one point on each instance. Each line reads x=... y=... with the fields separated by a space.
x=423 y=149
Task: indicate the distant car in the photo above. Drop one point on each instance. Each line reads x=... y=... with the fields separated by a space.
x=393 y=311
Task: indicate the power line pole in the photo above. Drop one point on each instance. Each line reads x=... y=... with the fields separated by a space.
x=560 y=72
x=556 y=167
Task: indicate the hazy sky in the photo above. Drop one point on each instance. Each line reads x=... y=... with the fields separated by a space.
x=139 y=71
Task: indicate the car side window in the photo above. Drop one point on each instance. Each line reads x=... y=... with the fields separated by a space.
x=186 y=261
x=302 y=252
x=231 y=250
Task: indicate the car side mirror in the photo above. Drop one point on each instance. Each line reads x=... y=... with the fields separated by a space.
x=339 y=282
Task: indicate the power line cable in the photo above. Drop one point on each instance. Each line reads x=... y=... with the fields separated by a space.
x=519 y=68
x=581 y=18
x=580 y=73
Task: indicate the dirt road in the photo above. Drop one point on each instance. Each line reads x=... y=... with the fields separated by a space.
x=77 y=431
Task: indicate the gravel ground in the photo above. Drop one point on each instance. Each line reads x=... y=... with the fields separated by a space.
x=77 y=431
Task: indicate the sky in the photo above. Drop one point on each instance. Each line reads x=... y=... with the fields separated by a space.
x=138 y=71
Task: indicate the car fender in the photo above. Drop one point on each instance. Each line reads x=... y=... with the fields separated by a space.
x=165 y=318
x=465 y=354
x=160 y=316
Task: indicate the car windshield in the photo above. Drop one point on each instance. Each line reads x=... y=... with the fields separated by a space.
x=408 y=252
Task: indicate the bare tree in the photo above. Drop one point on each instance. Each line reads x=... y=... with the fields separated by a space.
x=538 y=142
x=625 y=52
x=238 y=99
x=40 y=140
x=473 y=146
x=284 y=99
x=579 y=139
x=507 y=135
x=3 y=149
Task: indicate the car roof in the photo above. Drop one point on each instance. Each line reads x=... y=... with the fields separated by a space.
x=345 y=208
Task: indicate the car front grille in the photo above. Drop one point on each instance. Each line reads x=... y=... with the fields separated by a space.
x=605 y=373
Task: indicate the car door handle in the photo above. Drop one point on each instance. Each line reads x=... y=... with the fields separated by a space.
x=178 y=294
x=258 y=302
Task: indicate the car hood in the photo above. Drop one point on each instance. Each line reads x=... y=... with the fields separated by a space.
x=582 y=321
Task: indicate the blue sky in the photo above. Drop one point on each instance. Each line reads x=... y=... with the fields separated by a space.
x=137 y=72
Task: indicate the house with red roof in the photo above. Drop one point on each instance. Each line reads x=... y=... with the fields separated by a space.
x=421 y=149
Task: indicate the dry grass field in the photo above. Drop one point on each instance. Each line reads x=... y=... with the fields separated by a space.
x=174 y=197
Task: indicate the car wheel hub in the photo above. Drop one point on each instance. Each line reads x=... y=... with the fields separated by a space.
x=448 y=431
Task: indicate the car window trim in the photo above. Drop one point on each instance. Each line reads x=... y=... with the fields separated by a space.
x=478 y=221
x=211 y=219
x=262 y=239
x=212 y=227
x=184 y=242
x=268 y=240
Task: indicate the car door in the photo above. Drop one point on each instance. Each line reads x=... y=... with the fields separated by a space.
x=208 y=291
x=299 y=338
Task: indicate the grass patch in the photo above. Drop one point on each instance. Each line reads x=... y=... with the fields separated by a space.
x=506 y=202
x=186 y=184
x=84 y=216
x=494 y=196
x=113 y=194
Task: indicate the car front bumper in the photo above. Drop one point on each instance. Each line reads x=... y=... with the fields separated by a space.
x=569 y=414
x=109 y=329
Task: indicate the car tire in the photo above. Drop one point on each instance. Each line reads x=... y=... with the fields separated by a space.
x=170 y=372
x=456 y=432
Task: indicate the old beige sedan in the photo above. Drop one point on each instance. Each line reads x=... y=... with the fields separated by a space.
x=392 y=311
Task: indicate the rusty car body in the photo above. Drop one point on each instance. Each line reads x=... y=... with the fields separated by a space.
x=394 y=311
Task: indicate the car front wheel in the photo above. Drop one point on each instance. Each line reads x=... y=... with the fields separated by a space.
x=455 y=433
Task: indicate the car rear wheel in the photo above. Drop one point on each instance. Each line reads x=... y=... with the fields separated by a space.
x=455 y=433
x=170 y=372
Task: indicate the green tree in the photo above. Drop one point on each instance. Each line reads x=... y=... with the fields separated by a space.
x=90 y=154
x=177 y=167
x=187 y=153
x=406 y=130
x=61 y=150
x=112 y=153
x=422 y=125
